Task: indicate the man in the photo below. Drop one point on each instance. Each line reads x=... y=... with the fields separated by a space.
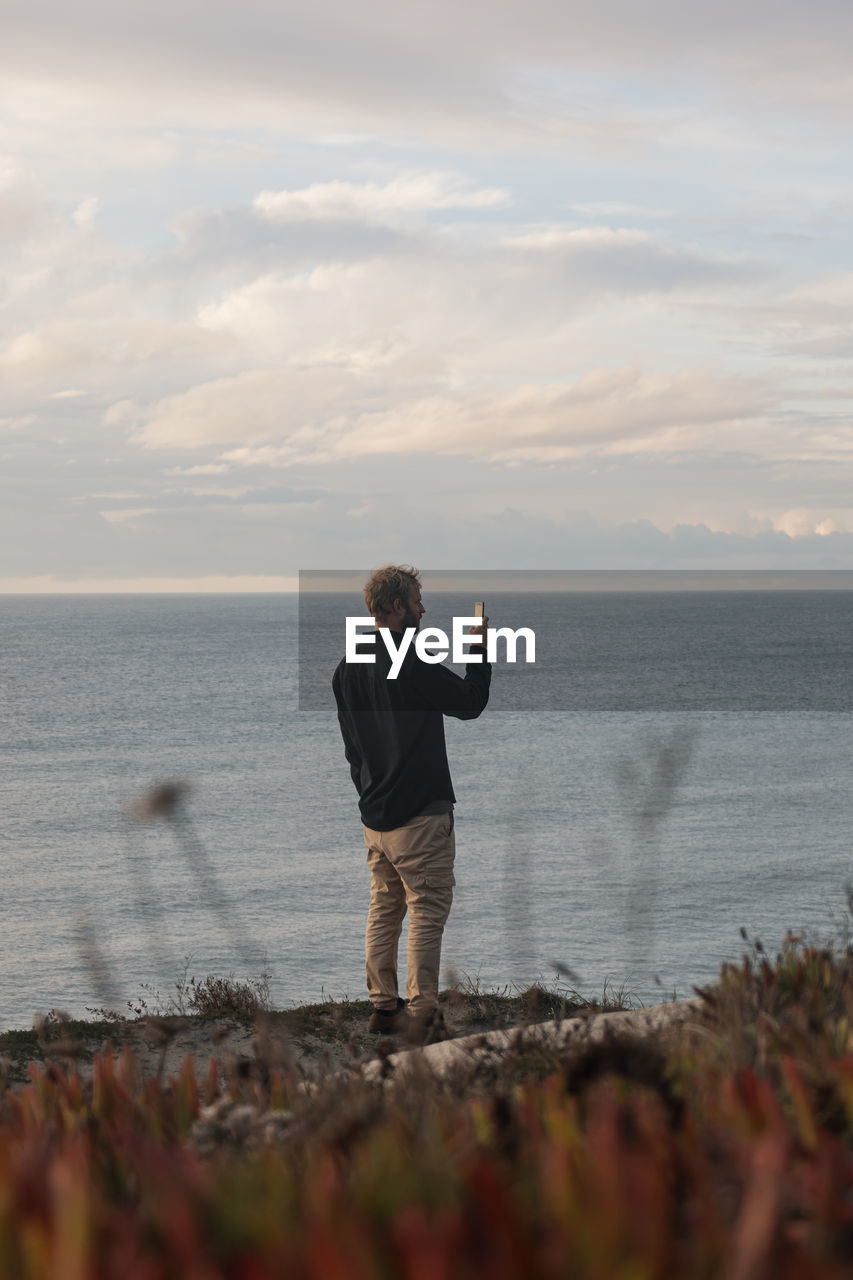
x=393 y=732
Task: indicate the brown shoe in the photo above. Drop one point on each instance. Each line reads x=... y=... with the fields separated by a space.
x=386 y=1022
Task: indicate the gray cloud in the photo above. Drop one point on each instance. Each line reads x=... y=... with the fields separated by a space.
x=468 y=512
x=444 y=63
x=273 y=539
x=217 y=241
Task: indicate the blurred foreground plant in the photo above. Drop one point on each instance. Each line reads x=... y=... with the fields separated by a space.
x=724 y=1150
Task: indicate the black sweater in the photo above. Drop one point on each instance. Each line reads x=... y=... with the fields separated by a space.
x=393 y=731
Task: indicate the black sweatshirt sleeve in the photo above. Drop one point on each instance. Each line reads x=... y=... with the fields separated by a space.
x=440 y=689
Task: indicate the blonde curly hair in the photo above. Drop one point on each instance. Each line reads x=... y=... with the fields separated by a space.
x=389 y=583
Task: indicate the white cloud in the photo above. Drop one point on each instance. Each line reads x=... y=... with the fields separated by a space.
x=602 y=412
x=124 y=515
x=267 y=456
x=17 y=424
x=311 y=415
x=578 y=238
x=408 y=193
x=84 y=215
x=802 y=521
x=446 y=311
x=118 y=413
x=298 y=408
x=207 y=469
x=100 y=351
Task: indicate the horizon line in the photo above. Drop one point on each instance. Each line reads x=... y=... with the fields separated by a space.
x=494 y=580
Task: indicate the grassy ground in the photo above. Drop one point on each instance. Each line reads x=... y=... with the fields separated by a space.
x=314 y=1037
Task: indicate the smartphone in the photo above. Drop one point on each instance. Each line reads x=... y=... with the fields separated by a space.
x=479 y=609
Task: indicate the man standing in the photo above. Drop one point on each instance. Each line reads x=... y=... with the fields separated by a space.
x=393 y=732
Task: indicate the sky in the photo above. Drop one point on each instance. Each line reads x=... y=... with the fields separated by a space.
x=497 y=285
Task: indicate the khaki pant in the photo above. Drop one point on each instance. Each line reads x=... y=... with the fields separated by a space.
x=411 y=867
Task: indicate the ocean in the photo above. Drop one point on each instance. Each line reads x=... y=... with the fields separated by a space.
x=673 y=769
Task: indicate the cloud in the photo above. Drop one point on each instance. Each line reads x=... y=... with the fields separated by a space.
x=52 y=584
x=801 y=522
x=80 y=312
x=604 y=411
x=295 y=408
x=234 y=351
x=19 y=212
x=525 y=256
x=586 y=511
x=407 y=193
x=582 y=238
x=459 y=346
x=99 y=350
x=815 y=320
x=617 y=209
x=223 y=244
x=84 y=215
x=309 y=415
x=445 y=67
x=205 y=469
x=439 y=305
x=122 y=515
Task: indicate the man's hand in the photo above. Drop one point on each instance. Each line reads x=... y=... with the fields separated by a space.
x=480 y=632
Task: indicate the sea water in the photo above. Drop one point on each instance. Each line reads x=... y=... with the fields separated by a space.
x=676 y=767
